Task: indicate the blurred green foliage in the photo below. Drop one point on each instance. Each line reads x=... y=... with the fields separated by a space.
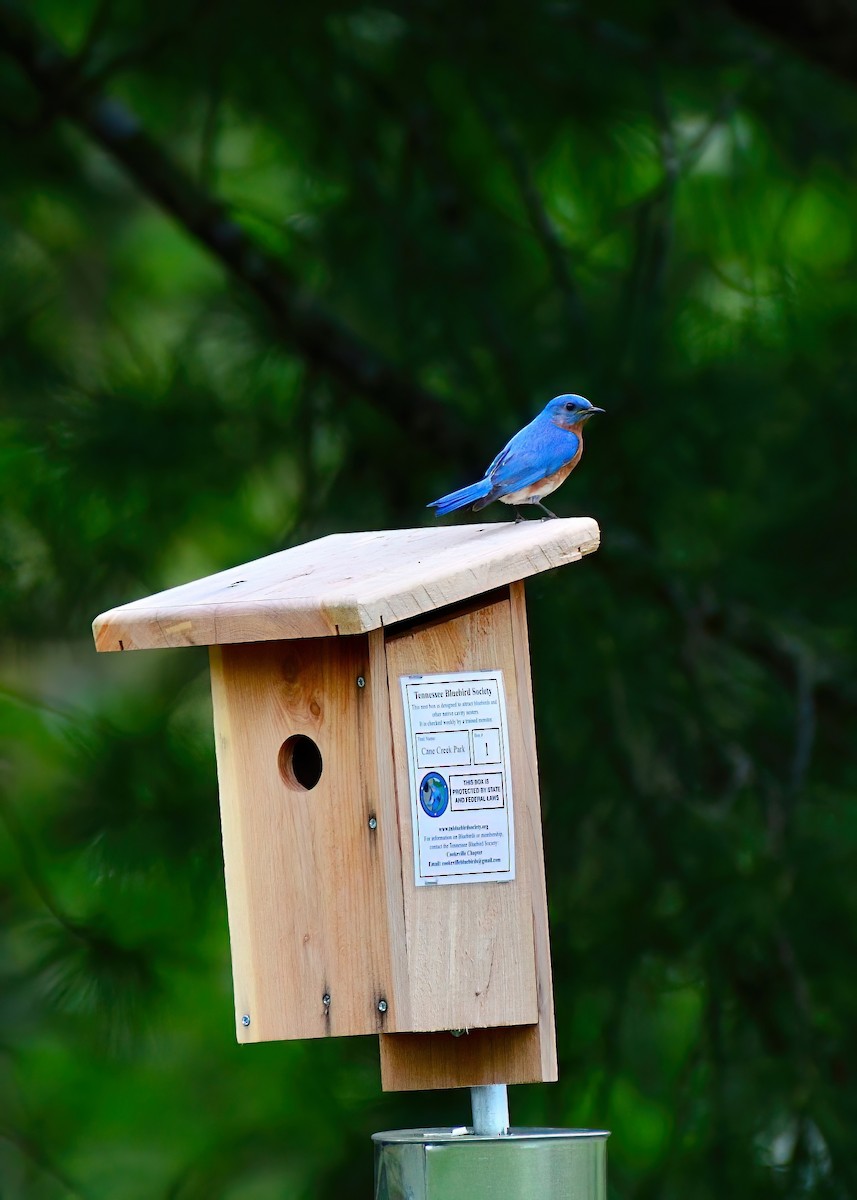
x=650 y=204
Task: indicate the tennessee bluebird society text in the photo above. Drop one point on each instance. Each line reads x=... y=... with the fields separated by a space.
x=479 y=691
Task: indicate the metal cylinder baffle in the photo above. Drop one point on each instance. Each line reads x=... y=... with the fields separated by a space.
x=523 y=1164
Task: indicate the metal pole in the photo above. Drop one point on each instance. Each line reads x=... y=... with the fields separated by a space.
x=523 y=1164
x=490 y=1106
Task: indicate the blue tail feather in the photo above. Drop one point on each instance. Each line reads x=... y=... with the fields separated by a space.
x=462 y=498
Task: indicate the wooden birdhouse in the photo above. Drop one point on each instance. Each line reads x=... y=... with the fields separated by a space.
x=379 y=793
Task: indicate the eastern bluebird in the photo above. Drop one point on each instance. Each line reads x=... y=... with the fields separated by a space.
x=533 y=464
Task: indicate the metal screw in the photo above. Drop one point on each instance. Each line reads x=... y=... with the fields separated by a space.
x=373 y=822
x=382 y=1006
x=361 y=682
x=245 y=1020
x=326 y=999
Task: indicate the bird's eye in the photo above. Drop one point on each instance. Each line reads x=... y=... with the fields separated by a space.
x=569 y=407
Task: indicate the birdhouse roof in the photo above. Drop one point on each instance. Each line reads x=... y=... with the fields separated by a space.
x=346 y=583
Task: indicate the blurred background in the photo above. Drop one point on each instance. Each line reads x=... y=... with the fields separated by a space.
x=275 y=270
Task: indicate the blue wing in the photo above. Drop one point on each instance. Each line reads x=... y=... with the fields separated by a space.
x=538 y=450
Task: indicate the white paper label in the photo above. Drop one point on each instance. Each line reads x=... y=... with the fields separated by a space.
x=461 y=787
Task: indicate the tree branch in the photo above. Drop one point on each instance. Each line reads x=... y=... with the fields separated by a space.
x=39 y=1157
x=316 y=334
x=540 y=220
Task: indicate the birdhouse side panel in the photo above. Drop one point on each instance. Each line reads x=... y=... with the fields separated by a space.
x=304 y=880
x=507 y=1053
x=470 y=947
x=414 y=1062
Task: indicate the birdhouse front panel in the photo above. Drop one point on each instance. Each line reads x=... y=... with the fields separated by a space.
x=304 y=878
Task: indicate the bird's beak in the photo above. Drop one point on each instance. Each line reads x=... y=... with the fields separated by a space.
x=593 y=409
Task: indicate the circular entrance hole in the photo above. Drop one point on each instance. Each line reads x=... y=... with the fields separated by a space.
x=300 y=762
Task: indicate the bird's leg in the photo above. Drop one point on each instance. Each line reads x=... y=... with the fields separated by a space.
x=546 y=509
x=519 y=516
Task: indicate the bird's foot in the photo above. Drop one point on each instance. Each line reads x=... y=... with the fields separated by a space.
x=544 y=507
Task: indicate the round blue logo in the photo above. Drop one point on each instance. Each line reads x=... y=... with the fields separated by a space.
x=434 y=794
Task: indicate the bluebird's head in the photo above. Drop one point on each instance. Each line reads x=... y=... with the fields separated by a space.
x=570 y=410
